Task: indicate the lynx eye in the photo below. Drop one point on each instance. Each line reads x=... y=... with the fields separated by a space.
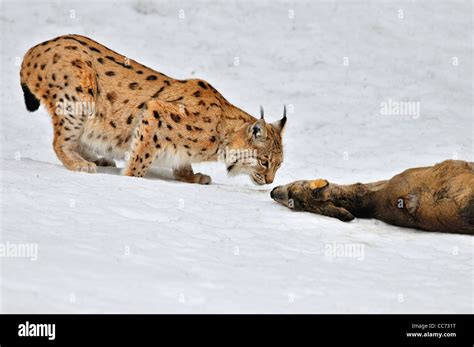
x=264 y=163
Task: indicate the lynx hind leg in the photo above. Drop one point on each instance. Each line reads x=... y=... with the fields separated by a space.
x=68 y=96
x=145 y=147
x=67 y=129
x=186 y=174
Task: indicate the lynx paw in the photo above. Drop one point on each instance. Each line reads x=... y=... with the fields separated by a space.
x=202 y=179
x=84 y=166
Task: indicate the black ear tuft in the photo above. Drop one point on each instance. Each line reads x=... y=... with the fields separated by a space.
x=280 y=125
x=283 y=122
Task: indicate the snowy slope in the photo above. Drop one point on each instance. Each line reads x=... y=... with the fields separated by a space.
x=108 y=243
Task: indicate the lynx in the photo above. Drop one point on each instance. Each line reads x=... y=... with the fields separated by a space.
x=105 y=107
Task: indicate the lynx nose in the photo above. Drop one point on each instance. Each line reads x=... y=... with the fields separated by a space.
x=269 y=177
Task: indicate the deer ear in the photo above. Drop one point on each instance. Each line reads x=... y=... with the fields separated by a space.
x=257 y=130
x=317 y=186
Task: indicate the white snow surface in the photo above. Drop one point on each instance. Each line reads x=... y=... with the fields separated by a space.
x=108 y=243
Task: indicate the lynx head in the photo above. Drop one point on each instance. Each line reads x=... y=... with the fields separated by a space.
x=257 y=150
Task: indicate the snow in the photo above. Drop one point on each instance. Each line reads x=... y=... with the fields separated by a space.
x=108 y=243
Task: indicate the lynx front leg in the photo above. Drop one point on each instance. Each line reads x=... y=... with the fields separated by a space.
x=145 y=147
x=186 y=174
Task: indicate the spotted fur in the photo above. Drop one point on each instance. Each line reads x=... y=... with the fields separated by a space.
x=104 y=105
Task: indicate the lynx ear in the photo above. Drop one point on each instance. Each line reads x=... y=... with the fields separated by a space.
x=257 y=130
x=280 y=125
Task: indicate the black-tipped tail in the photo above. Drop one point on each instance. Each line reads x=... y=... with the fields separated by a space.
x=32 y=104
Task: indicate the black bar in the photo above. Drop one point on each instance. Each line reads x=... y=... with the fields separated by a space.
x=145 y=330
